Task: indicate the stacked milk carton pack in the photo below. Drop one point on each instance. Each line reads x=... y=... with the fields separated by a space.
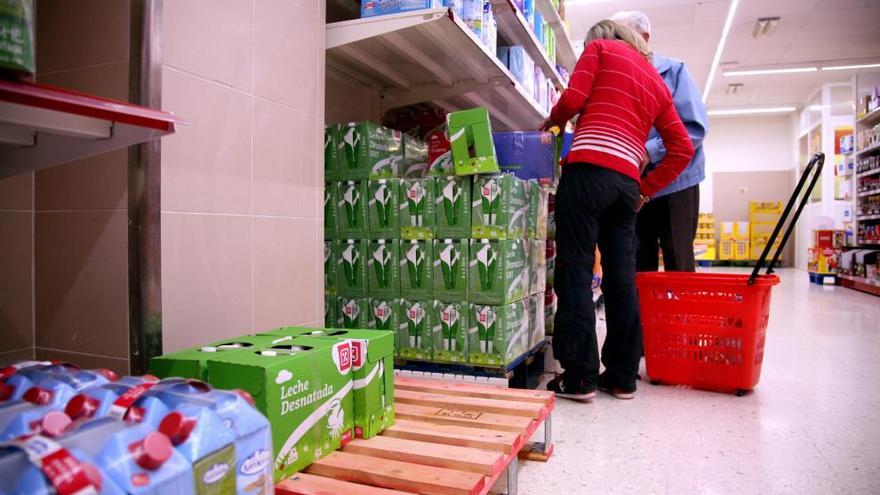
x=451 y=252
x=66 y=430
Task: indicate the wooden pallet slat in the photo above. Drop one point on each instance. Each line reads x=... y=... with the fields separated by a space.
x=470 y=459
x=461 y=417
x=310 y=484
x=499 y=441
x=473 y=390
x=398 y=475
x=508 y=407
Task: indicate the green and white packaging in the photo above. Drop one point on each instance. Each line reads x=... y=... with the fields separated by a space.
x=192 y=363
x=470 y=140
x=304 y=392
x=383 y=268
x=451 y=269
x=331 y=254
x=17 y=36
x=330 y=310
x=331 y=152
x=331 y=202
x=497 y=334
x=367 y=150
x=537 y=221
x=500 y=207
x=537 y=321
x=352 y=313
x=351 y=209
x=351 y=267
x=451 y=346
x=417 y=270
x=383 y=209
x=386 y=314
x=537 y=252
x=497 y=274
x=415 y=337
x=418 y=219
x=415 y=158
x=453 y=199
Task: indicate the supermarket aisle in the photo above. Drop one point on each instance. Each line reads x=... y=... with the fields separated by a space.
x=810 y=426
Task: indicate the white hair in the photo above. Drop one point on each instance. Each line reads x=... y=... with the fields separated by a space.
x=633 y=19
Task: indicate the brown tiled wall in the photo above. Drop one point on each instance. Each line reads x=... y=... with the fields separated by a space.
x=16 y=268
x=241 y=185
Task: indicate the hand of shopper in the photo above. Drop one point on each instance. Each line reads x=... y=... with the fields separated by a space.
x=641 y=202
x=547 y=125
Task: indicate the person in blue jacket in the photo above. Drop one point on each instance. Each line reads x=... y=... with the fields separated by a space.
x=669 y=220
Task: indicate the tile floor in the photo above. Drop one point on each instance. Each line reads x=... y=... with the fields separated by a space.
x=811 y=426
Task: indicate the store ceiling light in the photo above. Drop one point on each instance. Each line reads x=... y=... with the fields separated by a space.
x=851 y=67
x=720 y=48
x=760 y=72
x=750 y=111
x=764 y=27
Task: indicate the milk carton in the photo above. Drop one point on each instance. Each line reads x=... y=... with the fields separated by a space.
x=453 y=200
x=386 y=314
x=451 y=347
x=415 y=338
x=351 y=209
x=353 y=312
x=500 y=207
x=192 y=362
x=383 y=209
x=498 y=272
x=418 y=218
x=451 y=269
x=351 y=268
x=384 y=268
x=367 y=150
x=417 y=273
x=497 y=334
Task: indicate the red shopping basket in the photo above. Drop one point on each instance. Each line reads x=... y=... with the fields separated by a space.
x=706 y=330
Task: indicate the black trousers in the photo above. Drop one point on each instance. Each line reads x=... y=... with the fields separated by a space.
x=596 y=205
x=670 y=223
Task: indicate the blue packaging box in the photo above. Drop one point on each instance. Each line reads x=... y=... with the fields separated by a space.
x=527 y=155
x=372 y=8
x=539 y=27
x=528 y=11
x=521 y=66
x=503 y=54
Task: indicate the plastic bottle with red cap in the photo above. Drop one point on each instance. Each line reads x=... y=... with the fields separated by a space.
x=208 y=444
x=47 y=420
x=109 y=398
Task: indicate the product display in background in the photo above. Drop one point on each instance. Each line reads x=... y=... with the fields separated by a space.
x=453 y=197
x=374 y=8
x=537 y=256
x=351 y=211
x=383 y=209
x=351 y=267
x=331 y=201
x=367 y=150
x=17 y=47
x=452 y=317
x=418 y=218
x=498 y=334
x=416 y=334
x=332 y=148
x=352 y=312
x=330 y=310
x=193 y=362
x=383 y=269
x=470 y=140
x=500 y=207
x=439 y=153
x=331 y=254
x=451 y=269
x=704 y=242
x=386 y=314
x=414 y=161
x=417 y=270
x=538 y=204
x=528 y=155
x=826 y=251
x=498 y=271
x=763 y=216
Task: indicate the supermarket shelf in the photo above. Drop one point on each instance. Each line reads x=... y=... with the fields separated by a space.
x=871 y=286
x=863 y=244
x=516 y=30
x=565 y=54
x=41 y=126
x=869 y=149
x=870 y=117
x=869 y=172
x=868 y=193
x=430 y=56
x=867 y=217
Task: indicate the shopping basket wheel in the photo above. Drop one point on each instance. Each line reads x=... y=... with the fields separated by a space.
x=740 y=392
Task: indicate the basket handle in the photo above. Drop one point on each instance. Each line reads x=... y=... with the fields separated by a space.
x=814 y=166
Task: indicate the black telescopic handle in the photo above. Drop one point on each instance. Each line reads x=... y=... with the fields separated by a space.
x=814 y=166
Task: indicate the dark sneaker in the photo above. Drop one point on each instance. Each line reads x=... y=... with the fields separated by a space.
x=582 y=393
x=607 y=385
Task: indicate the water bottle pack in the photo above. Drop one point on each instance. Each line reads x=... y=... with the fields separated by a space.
x=65 y=430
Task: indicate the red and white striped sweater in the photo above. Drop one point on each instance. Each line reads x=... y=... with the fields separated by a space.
x=618 y=96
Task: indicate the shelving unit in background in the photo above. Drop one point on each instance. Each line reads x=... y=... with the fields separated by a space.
x=566 y=55
x=514 y=28
x=863 y=122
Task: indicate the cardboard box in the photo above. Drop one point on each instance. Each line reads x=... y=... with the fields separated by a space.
x=351 y=209
x=741 y=250
x=728 y=231
x=537 y=320
x=500 y=207
x=386 y=314
x=351 y=267
x=374 y=8
x=372 y=373
x=331 y=254
x=17 y=23
x=193 y=362
x=824 y=259
x=497 y=334
x=551 y=216
x=417 y=270
x=537 y=222
x=453 y=320
x=415 y=157
x=453 y=200
x=741 y=230
x=498 y=272
x=418 y=217
x=726 y=249
x=451 y=269
x=305 y=393
x=367 y=150
x=470 y=140
x=352 y=313
x=383 y=209
x=331 y=152
x=383 y=269
x=331 y=200
x=439 y=154
x=528 y=155
x=765 y=207
x=415 y=337
x=835 y=239
x=537 y=255
x=331 y=317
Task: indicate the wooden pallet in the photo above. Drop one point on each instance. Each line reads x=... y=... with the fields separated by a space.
x=449 y=438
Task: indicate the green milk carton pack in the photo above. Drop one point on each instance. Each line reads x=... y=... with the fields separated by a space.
x=351 y=267
x=418 y=218
x=331 y=254
x=192 y=363
x=385 y=314
x=470 y=140
x=451 y=269
x=17 y=25
x=537 y=221
x=415 y=158
x=331 y=203
x=331 y=152
x=330 y=317
x=537 y=322
x=497 y=272
x=383 y=209
x=537 y=253
x=351 y=209
x=383 y=268
x=417 y=270
x=367 y=150
x=451 y=347
x=453 y=200
x=415 y=337
x=352 y=312
x=500 y=207
x=497 y=334
x=305 y=392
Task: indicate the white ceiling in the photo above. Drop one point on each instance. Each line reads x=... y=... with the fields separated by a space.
x=810 y=31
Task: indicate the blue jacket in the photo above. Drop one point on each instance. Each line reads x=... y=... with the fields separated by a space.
x=690 y=108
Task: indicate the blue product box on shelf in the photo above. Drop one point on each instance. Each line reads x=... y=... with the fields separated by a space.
x=503 y=54
x=528 y=10
x=539 y=27
x=522 y=67
x=528 y=155
x=372 y=8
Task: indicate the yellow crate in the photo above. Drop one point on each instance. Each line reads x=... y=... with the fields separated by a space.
x=725 y=249
x=728 y=230
x=765 y=207
x=741 y=230
x=741 y=249
x=704 y=250
x=770 y=218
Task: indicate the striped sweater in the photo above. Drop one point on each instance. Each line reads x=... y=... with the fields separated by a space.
x=618 y=96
